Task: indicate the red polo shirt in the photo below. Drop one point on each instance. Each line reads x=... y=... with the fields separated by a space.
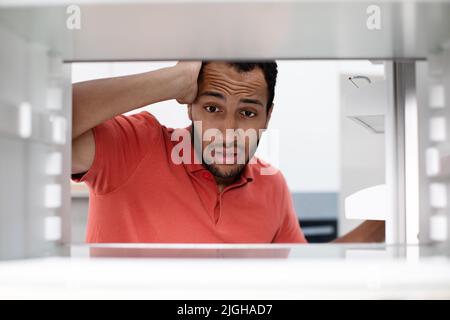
x=137 y=193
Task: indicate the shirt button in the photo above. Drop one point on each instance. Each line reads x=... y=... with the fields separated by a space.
x=206 y=175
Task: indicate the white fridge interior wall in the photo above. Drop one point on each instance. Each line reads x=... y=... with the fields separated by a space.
x=35 y=125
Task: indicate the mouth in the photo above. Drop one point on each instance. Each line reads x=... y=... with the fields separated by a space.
x=227 y=157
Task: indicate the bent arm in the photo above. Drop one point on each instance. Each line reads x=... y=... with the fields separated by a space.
x=368 y=231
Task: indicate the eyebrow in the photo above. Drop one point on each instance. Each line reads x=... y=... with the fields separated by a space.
x=252 y=101
x=222 y=97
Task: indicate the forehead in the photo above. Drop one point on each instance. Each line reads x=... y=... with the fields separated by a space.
x=227 y=79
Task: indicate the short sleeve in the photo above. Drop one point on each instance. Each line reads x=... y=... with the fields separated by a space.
x=289 y=230
x=120 y=145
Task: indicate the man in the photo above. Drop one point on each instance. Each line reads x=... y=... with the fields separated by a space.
x=140 y=191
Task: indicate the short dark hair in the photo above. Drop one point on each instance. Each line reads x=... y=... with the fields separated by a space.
x=269 y=69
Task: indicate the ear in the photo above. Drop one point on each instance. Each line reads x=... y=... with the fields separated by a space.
x=269 y=114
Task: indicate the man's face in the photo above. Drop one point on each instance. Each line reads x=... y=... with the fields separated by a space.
x=229 y=99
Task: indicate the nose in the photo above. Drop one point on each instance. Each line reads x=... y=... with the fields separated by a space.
x=228 y=123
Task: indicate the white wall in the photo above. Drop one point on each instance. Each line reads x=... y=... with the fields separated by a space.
x=306 y=113
x=169 y=113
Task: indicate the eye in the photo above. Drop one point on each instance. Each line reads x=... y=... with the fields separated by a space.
x=212 y=109
x=248 y=114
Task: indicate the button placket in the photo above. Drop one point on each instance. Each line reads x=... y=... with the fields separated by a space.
x=208 y=179
x=217 y=210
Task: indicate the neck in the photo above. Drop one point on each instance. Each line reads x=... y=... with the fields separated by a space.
x=223 y=183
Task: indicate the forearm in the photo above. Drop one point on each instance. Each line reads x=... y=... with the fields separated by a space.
x=99 y=100
x=368 y=231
